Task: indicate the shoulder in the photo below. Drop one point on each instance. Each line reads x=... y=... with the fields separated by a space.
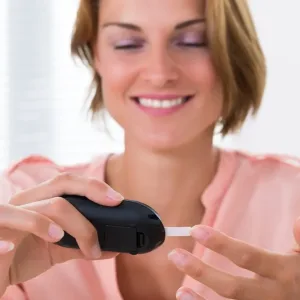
x=262 y=197
x=269 y=165
x=269 y=173
x=35 y=169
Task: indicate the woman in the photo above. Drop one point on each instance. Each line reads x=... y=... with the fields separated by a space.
x=169 y=72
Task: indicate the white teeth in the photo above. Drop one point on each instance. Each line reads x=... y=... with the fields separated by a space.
x=160 y=103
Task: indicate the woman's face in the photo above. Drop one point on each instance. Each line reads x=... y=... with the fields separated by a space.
x=157 y=75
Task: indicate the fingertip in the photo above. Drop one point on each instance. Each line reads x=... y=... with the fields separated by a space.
x=55 y=232
x=186 y=294
x=96 y=251
x=6 y=246
x=113 y=197
x=181 y=293
x=201 y=233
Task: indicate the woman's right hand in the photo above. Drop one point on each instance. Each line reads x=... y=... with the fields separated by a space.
x=35 y=219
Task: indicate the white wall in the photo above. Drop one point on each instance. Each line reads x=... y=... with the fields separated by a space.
x=41 y=103
x=3 y=85
x=276 y=129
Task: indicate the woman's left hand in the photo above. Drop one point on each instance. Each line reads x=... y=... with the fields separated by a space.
x=277 y=276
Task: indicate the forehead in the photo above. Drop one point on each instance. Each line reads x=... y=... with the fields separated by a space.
x=151 y=11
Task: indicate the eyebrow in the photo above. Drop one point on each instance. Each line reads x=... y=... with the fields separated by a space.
x=137 y=28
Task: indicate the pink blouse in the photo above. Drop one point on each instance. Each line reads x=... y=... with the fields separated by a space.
x=252 y=198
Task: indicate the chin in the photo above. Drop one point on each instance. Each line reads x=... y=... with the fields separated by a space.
x=177 y=132
x=165 y=142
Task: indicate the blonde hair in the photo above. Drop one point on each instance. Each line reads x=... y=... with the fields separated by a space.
x=235 y=49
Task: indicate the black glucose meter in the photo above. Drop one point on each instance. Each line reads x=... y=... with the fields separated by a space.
x=131 y=227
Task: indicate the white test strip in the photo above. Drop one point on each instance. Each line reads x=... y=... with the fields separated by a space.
x=177 y=231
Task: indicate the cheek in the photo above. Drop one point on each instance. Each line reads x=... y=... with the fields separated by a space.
x=209 y=102
x=116 y=76
x=115 y=71
x=203 y=73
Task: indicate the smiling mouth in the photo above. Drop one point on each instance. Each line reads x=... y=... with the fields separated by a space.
x=162 y=103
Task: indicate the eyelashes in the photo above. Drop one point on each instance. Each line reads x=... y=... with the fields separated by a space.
x=179 y=44
x=127 y=47
x=185 y=41
x=193 y=45
x=129 y=44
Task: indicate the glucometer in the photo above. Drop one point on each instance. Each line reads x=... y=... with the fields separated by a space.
x=130 y=227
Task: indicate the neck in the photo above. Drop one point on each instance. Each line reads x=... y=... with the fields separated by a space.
x=172 y=183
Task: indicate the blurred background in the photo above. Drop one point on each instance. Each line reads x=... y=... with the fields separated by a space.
x=43 y=92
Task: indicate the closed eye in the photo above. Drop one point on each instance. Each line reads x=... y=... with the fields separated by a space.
x=129 y=46
x=192 y=45
x=132 y=46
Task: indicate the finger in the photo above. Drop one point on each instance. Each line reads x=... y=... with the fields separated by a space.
x=94 y=190
x=71 y=221
x=187 y=294
x=18 y=218
x=259 y=261
x=65 y=254
x=226 y=285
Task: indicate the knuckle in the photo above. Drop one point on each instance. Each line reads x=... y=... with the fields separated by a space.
x=232 y=290
x=58 y=206
x=62 y=178
x=197 y=272
x=92 y=182
x=34 y=223
x=88 y=234
x=94 y=185
x=246 y=260
x=218 y=245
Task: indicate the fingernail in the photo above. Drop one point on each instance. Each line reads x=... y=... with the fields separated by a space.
x=201 y=234
x=178 y=258
x=55 y=232
x=184 y=296
x=113 y=195
x=6 y=247
x=96 y=251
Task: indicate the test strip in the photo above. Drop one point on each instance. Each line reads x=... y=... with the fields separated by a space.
x=177 y=231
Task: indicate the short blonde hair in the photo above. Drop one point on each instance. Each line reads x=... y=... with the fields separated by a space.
x=235 y=49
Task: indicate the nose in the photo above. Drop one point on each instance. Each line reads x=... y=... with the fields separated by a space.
x=160 y=69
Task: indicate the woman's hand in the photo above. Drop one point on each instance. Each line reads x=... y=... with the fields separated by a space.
x=277 y=276
x=36 y=218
